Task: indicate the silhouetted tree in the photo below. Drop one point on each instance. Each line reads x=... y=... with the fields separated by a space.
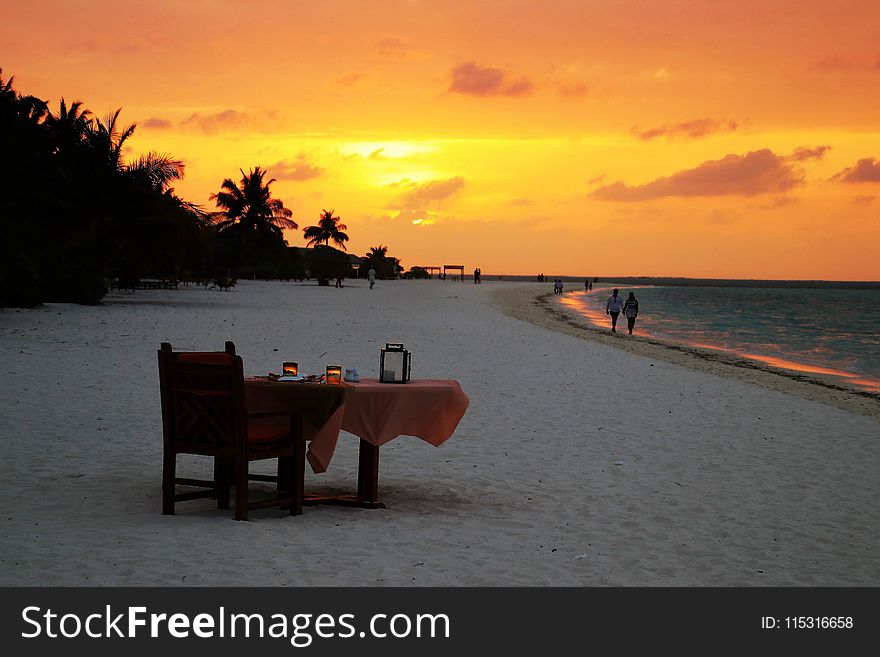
x=73 y=212
x=250 y=215
x=328 y=229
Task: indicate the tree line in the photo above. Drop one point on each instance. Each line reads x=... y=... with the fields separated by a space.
x=75 y=216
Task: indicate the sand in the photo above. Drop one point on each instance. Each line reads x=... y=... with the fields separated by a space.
x=577 y=463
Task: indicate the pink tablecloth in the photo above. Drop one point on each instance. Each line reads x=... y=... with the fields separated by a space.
x=376 y=412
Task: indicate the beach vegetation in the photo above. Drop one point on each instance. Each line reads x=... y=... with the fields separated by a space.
x=325 y=263
x=386 y=266
x=250 y=223
x=329 y=229
x=417 y=273
x=76 y=216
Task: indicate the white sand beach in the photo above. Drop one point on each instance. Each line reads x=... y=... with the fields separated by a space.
x=576 y=464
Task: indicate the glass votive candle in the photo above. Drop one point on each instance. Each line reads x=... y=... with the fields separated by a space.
x=334 y=374
x=290 y=368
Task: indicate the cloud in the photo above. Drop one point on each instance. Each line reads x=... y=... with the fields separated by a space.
x=428 y=193
x=595 y=180
x=231 y=120
x=298 y=168
x=719 y=218
x=779 y=202
x=695 y=129
x=349 y=79
x=661 y=74
x=573 y=89
x=522 y=201
x=470 y=79
x=864 y=200
x=836 y=63
x=756 y=172
x=865 y=170
x=157 y=124
x=802 y=153
x=396 y=48
x=92 y=47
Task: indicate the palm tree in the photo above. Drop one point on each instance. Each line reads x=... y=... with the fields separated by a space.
x=250 y=205
x=106 y=139
x=70 y=127
x=248 y=208
x=158 y=170
x=377 y=253
x=328 y=228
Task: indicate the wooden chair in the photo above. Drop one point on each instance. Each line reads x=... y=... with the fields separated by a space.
x=203 y=412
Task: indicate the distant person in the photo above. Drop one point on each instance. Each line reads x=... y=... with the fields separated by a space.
x=613 y=307
x=591 y=286
x=555 y=286
x=631 y=311
x=479 y=276
x=371 y=276
x=338 y=280
x=476 y=276
x=586 y=286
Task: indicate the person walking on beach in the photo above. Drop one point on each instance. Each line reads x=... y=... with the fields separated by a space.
x=613 y=307
x=631 y=311
x=371 y=275
x=586 y=286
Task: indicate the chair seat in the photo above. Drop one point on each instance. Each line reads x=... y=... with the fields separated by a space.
x=268 y=430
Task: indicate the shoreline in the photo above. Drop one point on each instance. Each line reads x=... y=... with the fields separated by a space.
x=536 y=307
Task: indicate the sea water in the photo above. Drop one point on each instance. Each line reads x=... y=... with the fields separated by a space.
x=825 y=331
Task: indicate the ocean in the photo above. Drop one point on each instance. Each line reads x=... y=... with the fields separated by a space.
x=821 y=330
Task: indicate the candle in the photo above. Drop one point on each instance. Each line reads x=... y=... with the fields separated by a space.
x=334 y=374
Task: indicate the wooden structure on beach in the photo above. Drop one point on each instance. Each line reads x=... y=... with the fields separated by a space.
x=458 y=268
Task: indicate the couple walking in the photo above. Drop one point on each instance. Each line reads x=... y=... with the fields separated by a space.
x=630 y=308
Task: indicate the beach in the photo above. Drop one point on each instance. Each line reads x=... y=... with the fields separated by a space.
x=583 y=459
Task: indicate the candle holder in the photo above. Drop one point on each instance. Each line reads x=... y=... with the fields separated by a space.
x=334 y=374
x=289 y=368
x=395 y=363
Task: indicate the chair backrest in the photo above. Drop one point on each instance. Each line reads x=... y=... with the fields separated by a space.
x=202 y=401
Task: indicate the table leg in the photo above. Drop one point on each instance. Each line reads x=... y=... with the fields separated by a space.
x=368 y=483
x=368 y=474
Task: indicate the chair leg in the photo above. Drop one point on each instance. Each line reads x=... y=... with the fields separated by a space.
x=169 y=473
x=241 y=489
x=222 y=481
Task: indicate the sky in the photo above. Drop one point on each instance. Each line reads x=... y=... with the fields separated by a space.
x=563 y=137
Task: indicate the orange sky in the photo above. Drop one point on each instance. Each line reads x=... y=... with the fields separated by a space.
x=674 y=138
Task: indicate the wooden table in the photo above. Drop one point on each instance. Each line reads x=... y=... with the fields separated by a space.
x=374 y=412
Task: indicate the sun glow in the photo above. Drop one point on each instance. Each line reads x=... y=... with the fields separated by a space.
x=549 y=133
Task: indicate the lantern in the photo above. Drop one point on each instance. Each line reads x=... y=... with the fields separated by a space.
x=334 y=374
x=394 y=364
x=290 y=369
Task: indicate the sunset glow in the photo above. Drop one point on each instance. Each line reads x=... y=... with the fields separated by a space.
x=567 y=137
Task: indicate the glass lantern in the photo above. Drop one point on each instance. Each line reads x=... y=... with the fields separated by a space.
x=334 y=374
x=394 y=363
x=290 y=368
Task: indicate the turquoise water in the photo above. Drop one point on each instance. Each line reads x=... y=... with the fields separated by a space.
x=799 y=329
